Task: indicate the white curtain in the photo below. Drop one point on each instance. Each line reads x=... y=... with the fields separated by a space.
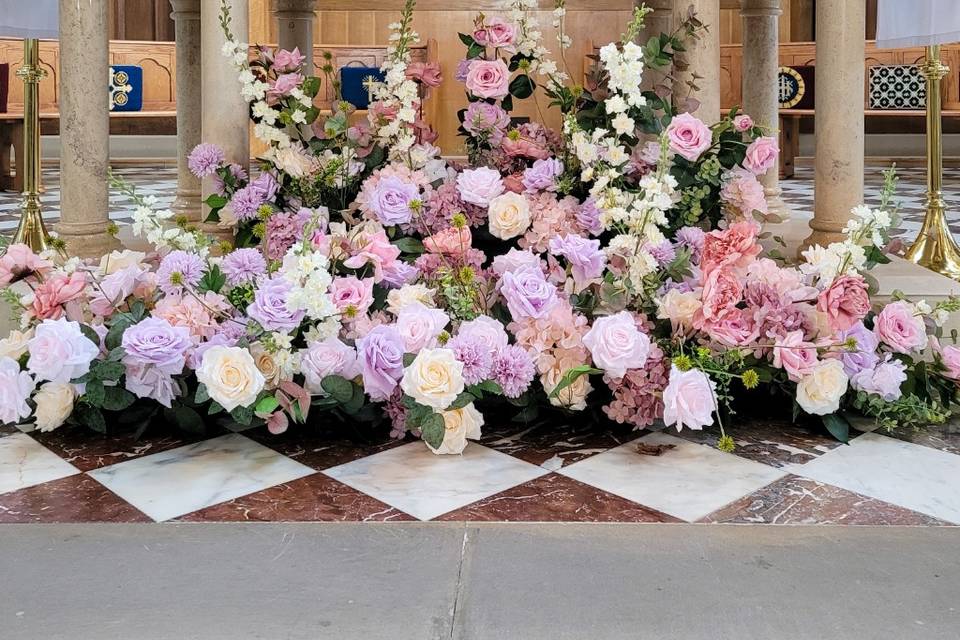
x=917 y=23
x=29 y=18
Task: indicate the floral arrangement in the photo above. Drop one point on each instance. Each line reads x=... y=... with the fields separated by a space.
x=614 y=268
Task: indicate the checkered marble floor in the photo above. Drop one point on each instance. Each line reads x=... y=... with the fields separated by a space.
x=797 y=193
x=780 y=473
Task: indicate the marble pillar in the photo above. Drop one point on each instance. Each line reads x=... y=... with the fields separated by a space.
x=84 y=128
x=225 y=114
x=703 y=58
x=838 y=171
x=295 y=27
x=186 y=15
x=658 y=21
x=761 y=60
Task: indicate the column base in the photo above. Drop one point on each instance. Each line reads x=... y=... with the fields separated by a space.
x=188 y=204
x=88 y=243
x=775 y=203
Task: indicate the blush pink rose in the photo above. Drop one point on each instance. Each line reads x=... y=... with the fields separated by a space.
x=479 y=186
x=18 y=262
x=688 y=136
x=794 y=355
x=742 y=123
x=736 y=246
x=49 y=297
x=427 y=73
x=523 y=148
x=449 y=242
x=761 y=155
x=735 y=328
x=845 y=303
x=352 y=295
x=722 y=290
x=951 y=360
x=375 y=249
x=286 y=61
x=282 y=86
x=497 y=32
x=900 y=327
x=488 y=78
x=689 y=400
x=616 y=344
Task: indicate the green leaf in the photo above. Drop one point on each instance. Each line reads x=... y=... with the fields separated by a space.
x=475 y=51
x=117 y=399
x=90 y=417
x=242 y=415
x=522 y=86
x=267 y=405
x=202 y=394
x=185 y=418
x=213 y=280
x=116 y=355
x=462 y=400
x=115 y=334
x=408 y=359
x=339 y=388
x=838 y=426
x=409 y=245
x=95 y=393
x=571 y=376
x=214 y=409
x=466 y=40
x=311 y=86
x=215 y=201
x=417 y=414
x=111 y=371
x=91 y=335
x=432 y=430
x=488 y=386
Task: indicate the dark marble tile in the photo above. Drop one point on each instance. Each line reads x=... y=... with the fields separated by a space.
x=8 y=429
x=777 y=443
x=556 y=498
x=314 y=498
x=321 y=449
x=796 y=500
x=88 y=450
x=77 y=498
x=555 y=445
x=945 y=437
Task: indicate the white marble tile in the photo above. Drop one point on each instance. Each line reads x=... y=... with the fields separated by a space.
x=25 y=462
x=901 y=473
x=688 y=481
x=171 y=483
x=425 y=485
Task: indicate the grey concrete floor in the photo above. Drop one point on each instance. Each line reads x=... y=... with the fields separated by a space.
x=498 y=581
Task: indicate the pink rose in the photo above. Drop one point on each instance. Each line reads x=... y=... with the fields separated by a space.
x=845 y=303
x=351 y=295
x=49 y=297
x=721 y=291
x=375 y=249
x=761 y=155
x=901 y=328
x=427 y=73
x=19 y=262
x=689 y=399
x=381 y=112
x=328 y=358
x=486 y=329
x=688 y=136
x=488 y=78
x=497 y=32
x=449 y=242
x=795 y=356
x=282 y=86
x=521 y=147
x=419 y=326
x=736 y=246
x=479 y=186
x=616 y=344
x=735 y=328
x=951 y=360
x=743 y=122
x=287 y=61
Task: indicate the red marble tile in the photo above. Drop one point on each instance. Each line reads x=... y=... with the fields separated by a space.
x=555 y=445
x=88 y=450
x=556 y=498
x=796 y=500
x=314 y=498
x=322 y=449
x=774 y=442
x=77 y=498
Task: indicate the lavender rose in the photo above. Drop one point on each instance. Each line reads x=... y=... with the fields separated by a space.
x=479 y=186
x=156 y=342
x=527 y=292
x=329 y=357
x=391 y=199
x=542 y=176
x=270 y=309
x=586 y=258
x=381 y=361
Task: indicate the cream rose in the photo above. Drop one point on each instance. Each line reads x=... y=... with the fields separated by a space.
x=820 y=390
x=509 y=215
x=54 y=404
x=120 y=260
x=267 y=364
x=679 y=307
x=434 y=378
x=459 y=424
x=15 y=344
x=573 y=396
x=406 y=295
x=231 y=376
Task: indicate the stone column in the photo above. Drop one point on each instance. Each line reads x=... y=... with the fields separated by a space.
x=761 y=59
x=295 y=27
x=703 y=58
x=838 y=169
x=225 y=114
x=660 y=20
x=84 y=128
x=186 y=15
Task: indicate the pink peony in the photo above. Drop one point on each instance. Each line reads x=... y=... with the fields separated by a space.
x=451 y=241
x=795 y=356
x=743 y=122
x=742 y=190
x=49 y=297
x=737 y=328
x=845 y=303
x=488 y=78
x=376 y=249
x=688 y=136
x=689 y=400
x=900 y=327
x=616 y=344
x=951 y=360
x=721 y=291
x=522 y=147
x=736 y=246
x=761 y=155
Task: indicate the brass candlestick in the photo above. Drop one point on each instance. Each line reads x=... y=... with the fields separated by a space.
x=935 y=247
x=31 y=231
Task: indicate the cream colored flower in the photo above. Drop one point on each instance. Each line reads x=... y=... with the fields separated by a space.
x=15 y=344
x=54 y=404
x=120 y=260
x=819 y=391
x=434 y=378
x=573 y=396
x=509 y=215
x=679 y=308
x=267 y=364
x=397 y=299
x=231 y=376
x=459 y=425
x=292 y=161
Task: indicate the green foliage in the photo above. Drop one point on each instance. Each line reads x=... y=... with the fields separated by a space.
x=213 y=280
x=571 y=376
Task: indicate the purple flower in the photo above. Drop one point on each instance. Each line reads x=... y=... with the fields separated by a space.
x=145 y=381
x=266 y=185
x=663 y=253
x=586 y=258
x=157 y=343
x=390 y=200
x=693 y=239
x=381 y=361
x=513 y=370
x=483 y=118
x=884 y=380
x=542 y=176
x=398 y=273
x=462 y=68
x=864 y=357
x=588 y=217
x=179 y=269
x=527 y=292
x=246 y=202
x=222 y=339
x=243 y=266
x=269 y=306
x=238 y=173
x=204 y=160
x=476 y=356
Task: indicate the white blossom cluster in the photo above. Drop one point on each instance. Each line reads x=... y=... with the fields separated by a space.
x=866 y=228
x=309 y=273
x=156 y=226
x=397 y=92
x=529 y=38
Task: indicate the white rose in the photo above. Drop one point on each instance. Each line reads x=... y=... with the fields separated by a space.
x=573 y=396
x=120 y=260
x=819 y=391
x=231 y=376
x=293 y=162
x=397 y=299
x=54 y=404
x=459 y=424
x=15 y=344
x=679 y=307
x=434 y=378
x=509 y=215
